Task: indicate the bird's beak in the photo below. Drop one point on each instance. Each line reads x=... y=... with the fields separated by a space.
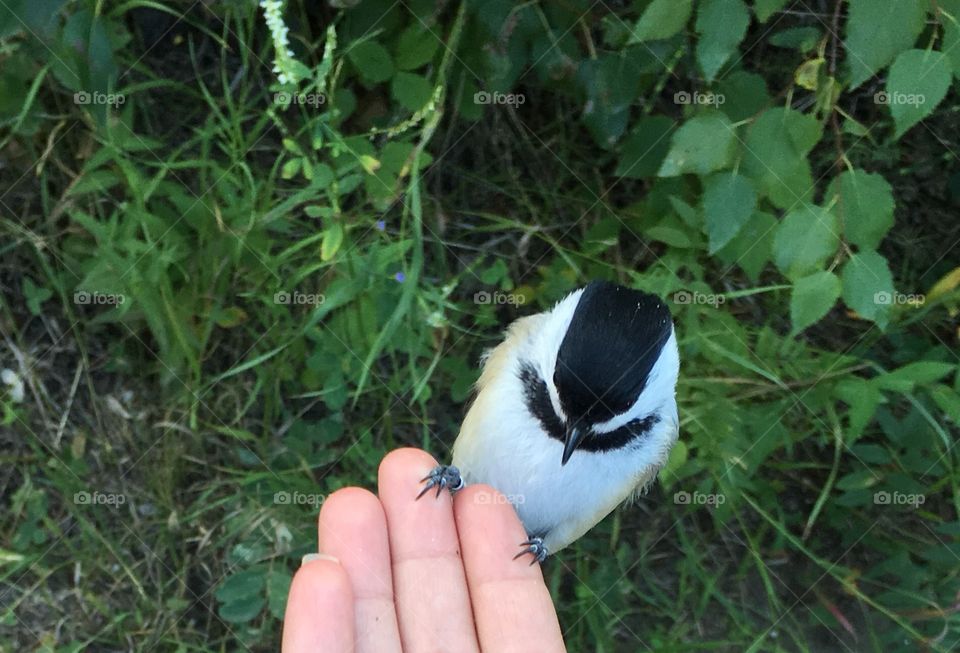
x=571 y=442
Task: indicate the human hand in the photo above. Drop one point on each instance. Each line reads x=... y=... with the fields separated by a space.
x=396 y=574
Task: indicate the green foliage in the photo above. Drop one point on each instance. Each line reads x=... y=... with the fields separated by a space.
x=289 y=277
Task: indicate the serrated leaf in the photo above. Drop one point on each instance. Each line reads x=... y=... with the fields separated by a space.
x=804 y=240
x=813 y=296
x=728 y=202
x=332 y=239
x=866 y=282
x=917 y=83
x=701 y=145
x=951 y=32
x=744 y=94
x=722 y=24
x=903 y=379
x=877 y=31
x=661 y=20
x=410 y=90
x=948 y=400
x=863 y=397
x=774 y=156
x=865 y=206
x=645 y=148
x=752 y=248
x=372 y=61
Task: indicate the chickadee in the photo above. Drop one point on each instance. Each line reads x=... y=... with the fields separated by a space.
x=575 y=412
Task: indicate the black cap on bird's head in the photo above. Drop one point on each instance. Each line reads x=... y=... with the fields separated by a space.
x=614 y=339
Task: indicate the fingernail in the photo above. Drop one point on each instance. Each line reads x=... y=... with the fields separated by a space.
x=311 y=557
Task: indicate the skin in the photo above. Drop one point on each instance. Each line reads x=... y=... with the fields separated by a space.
x=395 y=574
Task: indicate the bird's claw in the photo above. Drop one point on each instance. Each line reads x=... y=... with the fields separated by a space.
x=535 y=547
x=444 y=476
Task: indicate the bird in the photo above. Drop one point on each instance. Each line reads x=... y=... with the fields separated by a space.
x=574 y=413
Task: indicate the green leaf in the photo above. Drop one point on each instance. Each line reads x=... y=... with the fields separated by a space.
x=278 y=586
x=242 y=610
x=766 y=8
x=948 y=400
x=646 y=147
x=866 y=282
x=702 y=145
x=812 y=298
x=858 y=480
x=728 y=202
x=905 y=378
x=35 y=295
x=865 y=207
x=661 y=20
x=411 y=90
x=744 y=95
x=804 y=39
x=805 y=239
x=291 y=168
x=332 y=239
x=951 y=32
x=775 y=150
x=752 y=249
x=415 y=47
x=722 y=24
x=879 y=30
x=242 y=584
x=372 y=60
x=863 y=397
x=918 y=82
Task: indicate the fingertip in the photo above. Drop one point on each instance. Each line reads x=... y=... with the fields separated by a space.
x=348 y=503
x=353 y=527
x=319 y=614
x=400 y=465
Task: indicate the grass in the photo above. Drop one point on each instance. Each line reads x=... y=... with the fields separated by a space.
x=164 y=468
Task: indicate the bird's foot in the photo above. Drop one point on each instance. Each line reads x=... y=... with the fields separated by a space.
x=443 y=476
x=535 y=547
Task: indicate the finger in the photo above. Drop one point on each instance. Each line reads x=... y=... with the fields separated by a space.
x=353 y=529
x=430 y=588
x=319 y=614
x=511 y=605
